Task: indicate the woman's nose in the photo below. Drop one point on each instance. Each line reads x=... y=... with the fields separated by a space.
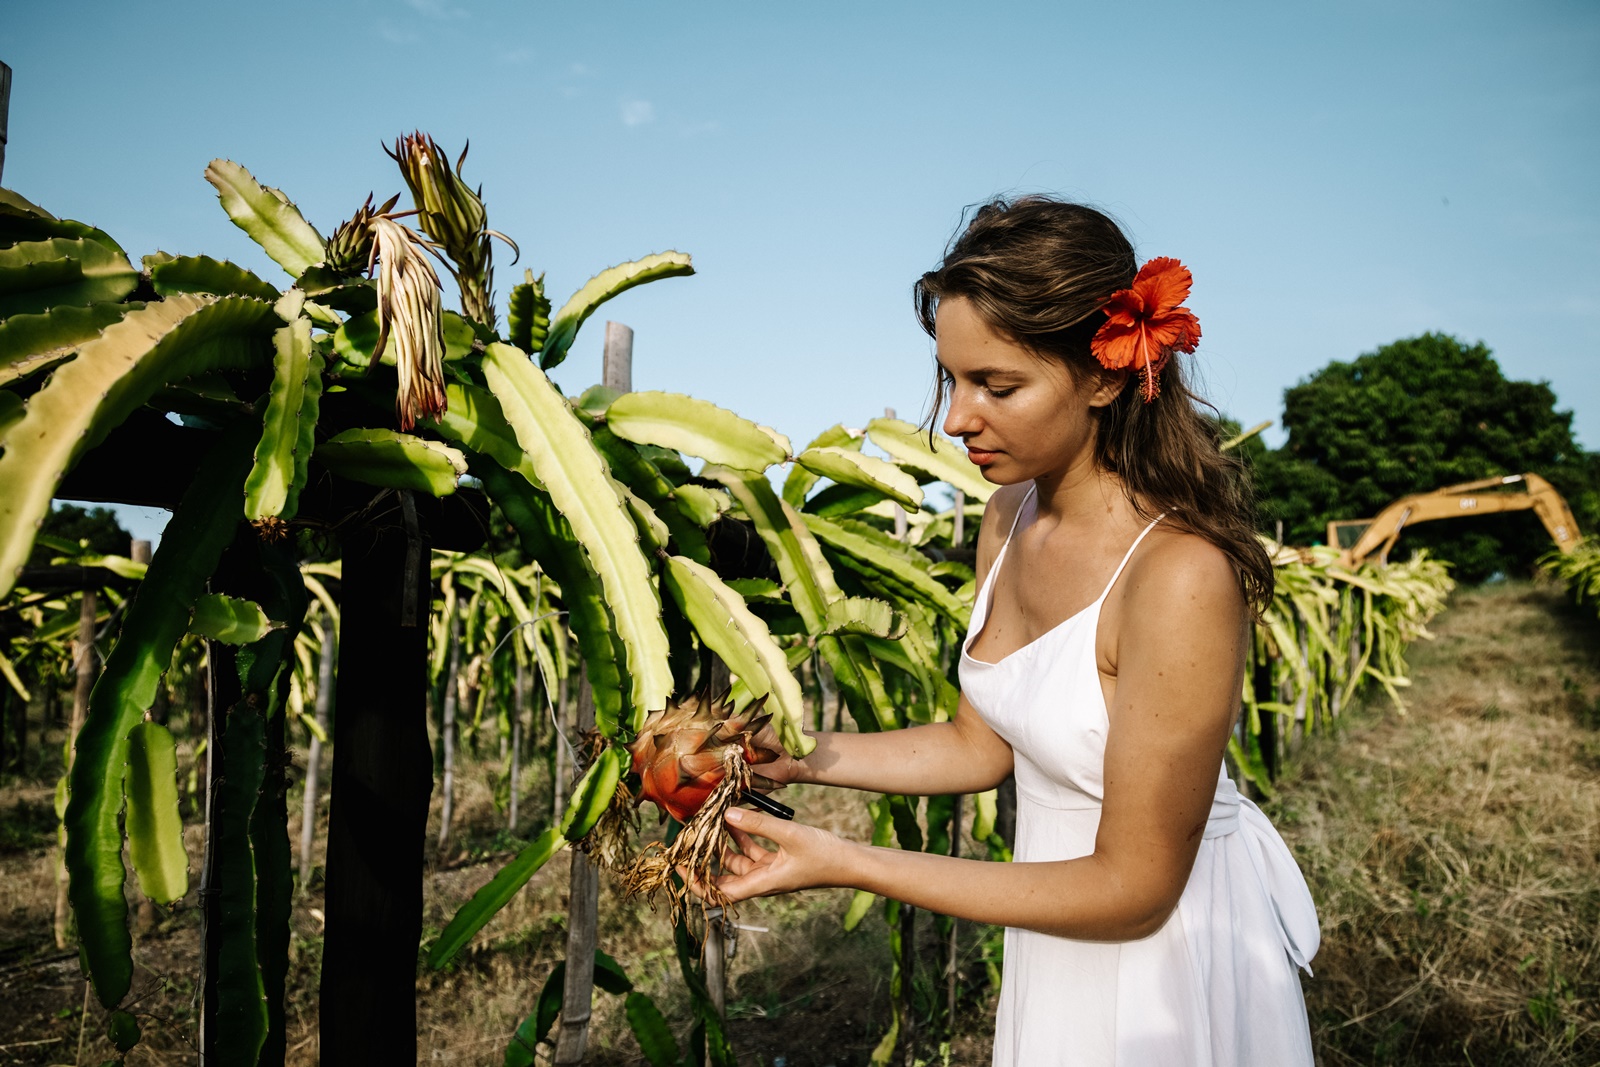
x=960 y=420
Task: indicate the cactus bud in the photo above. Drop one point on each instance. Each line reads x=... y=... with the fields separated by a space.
x=349 y=250
x=453 y=215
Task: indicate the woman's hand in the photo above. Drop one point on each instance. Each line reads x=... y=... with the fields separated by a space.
x=805 y=857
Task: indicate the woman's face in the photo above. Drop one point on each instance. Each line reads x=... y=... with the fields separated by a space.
x=1020 y=416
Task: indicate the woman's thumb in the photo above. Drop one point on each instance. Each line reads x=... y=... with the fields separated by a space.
x=755 y=822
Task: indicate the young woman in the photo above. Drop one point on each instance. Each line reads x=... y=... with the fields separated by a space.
x=1154 y=917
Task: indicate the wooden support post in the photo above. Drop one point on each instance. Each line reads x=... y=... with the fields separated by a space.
x=378 y=815
x=899 y=512
x=519 y=697
x=1268 y=740
x=583 y=914
x=447 y=733
x=583 y=900
x=716 y=941
x=558 y=757
x=906 y=1004
x=87 y=671
x=5 y=111
x=616 y=372
x=308 y=810
x=953 y=961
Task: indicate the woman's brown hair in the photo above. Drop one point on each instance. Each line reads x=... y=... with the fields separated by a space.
x=1039 y=270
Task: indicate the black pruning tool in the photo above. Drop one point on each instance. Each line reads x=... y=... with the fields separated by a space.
x=762 y=802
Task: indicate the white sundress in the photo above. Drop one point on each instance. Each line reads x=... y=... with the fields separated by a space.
x=1215 y=986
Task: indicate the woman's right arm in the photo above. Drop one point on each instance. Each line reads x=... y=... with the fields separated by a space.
x=960 y=756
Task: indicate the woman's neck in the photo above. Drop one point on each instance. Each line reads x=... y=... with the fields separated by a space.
x=1082 y=491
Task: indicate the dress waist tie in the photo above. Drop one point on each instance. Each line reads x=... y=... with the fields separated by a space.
x=1274 y=867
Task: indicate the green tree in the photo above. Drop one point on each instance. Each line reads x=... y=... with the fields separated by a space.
x=96 y=528
x=1415 y=415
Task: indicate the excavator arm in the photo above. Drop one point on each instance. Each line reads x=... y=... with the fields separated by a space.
x=1452 y=502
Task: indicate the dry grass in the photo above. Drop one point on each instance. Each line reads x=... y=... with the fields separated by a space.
x=1452 y=853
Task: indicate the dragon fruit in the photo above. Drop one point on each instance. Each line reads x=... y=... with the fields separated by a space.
x=694 y=759
x=682 y=753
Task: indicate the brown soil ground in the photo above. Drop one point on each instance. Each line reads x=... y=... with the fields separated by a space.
x=1452 y=852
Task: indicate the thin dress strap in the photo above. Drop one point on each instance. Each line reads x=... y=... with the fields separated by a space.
x=1032 y=489
x=1129 y=555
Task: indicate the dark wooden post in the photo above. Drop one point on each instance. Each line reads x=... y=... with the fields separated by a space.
x=583 y=901
x=381 y=782
x=907 y=1001
x=5 y=111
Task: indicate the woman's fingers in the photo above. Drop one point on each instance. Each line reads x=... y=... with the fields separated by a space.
x=759 y=824
x=747 y=844
x=735 y=862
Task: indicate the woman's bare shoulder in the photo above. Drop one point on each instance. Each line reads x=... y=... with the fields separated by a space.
x=998 y=515
x=1178 y=571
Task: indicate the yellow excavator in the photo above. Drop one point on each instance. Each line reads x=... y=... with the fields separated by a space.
x=1359 y=538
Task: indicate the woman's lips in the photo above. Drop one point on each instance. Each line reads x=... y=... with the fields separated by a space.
x=980 y=456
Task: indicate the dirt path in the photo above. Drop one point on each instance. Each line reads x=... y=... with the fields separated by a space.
x=1454 y=852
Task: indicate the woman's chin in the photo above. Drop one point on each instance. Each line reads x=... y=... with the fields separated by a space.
x=999 y=472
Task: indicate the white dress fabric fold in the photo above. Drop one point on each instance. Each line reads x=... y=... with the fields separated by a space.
x=1216 y=985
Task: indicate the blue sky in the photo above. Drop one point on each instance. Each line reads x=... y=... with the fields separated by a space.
x=1336 y=176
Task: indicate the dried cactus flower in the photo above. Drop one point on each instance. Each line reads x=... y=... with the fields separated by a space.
x=610 y=843
x=271 y=529
x=409 y=315
x=694 y=759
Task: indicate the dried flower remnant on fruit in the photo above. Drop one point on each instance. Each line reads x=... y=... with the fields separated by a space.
x=610 y=843
x=409 y=315
x=694 y=759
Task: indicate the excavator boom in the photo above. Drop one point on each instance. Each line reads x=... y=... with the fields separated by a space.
x=1454 y=501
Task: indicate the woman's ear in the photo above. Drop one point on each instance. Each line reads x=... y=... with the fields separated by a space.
x=1108 y=385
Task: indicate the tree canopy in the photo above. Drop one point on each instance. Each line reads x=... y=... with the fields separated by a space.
x=96 y=528
x=1413 y=416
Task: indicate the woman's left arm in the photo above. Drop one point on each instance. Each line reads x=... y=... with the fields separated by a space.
x=1180 y=651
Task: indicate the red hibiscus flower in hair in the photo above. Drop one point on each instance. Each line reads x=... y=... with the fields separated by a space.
x=1145 y=323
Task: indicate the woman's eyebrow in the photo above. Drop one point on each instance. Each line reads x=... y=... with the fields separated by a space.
x=983 y=373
